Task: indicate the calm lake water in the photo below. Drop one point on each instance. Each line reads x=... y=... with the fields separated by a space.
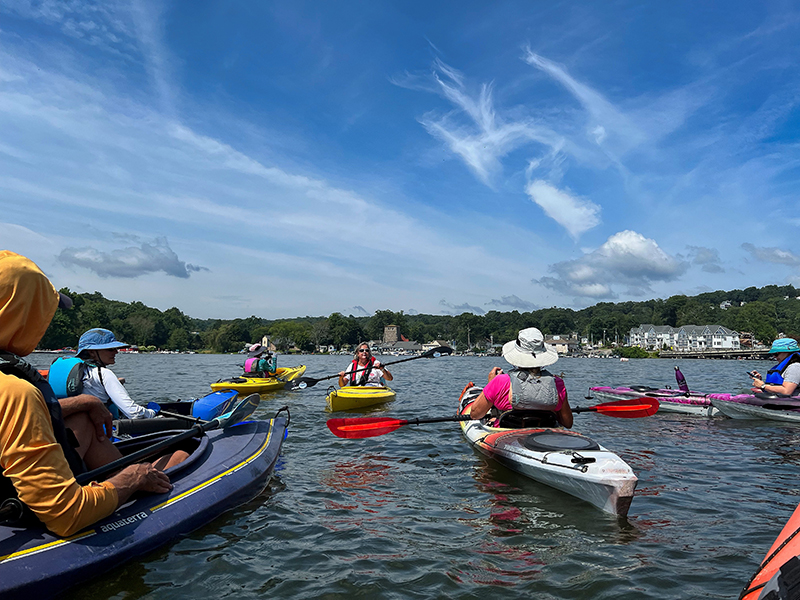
x=417 y=514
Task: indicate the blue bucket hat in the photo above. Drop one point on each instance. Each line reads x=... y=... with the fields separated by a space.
x=99 y=339
x=784 y=345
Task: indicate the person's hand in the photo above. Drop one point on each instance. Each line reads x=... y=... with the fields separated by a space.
x=755 y=375
x=757 y=382
x=341 y=373
x=100 y=417
x=142 y=477
x=495 y=372
x=378 y=364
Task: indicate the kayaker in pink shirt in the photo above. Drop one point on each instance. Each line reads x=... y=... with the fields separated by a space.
x=527 y=386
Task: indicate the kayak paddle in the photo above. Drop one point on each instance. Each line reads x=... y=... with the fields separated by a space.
x=365 y=427
x=239 y=413
x=302 y=383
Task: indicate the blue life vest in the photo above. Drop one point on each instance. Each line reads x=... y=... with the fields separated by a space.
x=775 y=374
x=66 y=376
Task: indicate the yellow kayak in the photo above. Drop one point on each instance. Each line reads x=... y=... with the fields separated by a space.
x=259 y=385
x=350 y=397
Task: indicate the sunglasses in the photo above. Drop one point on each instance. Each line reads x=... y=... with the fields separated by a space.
x=363 y=350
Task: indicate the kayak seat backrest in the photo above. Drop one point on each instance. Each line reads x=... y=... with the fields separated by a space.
x=643 y=388
x=523 y=419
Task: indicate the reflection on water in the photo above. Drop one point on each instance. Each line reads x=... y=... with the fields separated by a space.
x=416 y=513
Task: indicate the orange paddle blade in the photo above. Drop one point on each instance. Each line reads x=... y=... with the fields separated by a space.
x=632 y=408
x=365 y=427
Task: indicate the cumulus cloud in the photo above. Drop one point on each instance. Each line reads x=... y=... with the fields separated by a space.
x=457 y=309
x=627 y=258
x=708 y=258
x=130 y=262
x=772 y=255
x=574 y=214
x=514 y=302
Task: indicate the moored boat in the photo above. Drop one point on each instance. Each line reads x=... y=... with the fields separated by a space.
x=355 y=397
x=226 y=467
x=260 y=385
x=758 y=406
x=562 y=459
x=778 y=576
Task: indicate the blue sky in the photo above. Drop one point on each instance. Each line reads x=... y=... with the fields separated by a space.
x=298 y=158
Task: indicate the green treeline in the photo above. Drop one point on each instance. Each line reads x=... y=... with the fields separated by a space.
x=766 y=312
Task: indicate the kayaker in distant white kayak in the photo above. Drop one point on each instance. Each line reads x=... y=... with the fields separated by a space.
x=45 y=442
x=259 y=365
x=373 y=374
x=528 y=386
x=784 y=377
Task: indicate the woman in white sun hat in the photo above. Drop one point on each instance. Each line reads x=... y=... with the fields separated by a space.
x=527 y=386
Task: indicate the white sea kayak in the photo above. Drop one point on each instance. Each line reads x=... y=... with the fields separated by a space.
x=758 y=406
x=559 y=458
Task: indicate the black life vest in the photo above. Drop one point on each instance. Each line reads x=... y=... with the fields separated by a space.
x=362 y=377
x=11 y=364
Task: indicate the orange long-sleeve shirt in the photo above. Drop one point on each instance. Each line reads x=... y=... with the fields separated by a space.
x=35 y=463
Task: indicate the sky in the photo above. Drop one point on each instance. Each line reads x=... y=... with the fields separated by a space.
x=284 y=159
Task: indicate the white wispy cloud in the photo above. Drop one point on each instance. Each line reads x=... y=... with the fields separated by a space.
x=772 y=255
x=485 y=137
x=457 y=309
x=513 y=302
x=129 y=262
x=574 y=214
x=627 y=258
x=707 y=258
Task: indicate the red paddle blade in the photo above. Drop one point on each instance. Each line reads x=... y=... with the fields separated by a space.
x=365 y=427
x=632 y=408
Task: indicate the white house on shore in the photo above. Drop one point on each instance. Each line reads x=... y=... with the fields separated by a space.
x=688 y=338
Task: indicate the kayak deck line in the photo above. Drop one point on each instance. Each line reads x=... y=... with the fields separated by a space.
x=152 y=510
x=577 y=465
x=216 y=478
x=47 y=546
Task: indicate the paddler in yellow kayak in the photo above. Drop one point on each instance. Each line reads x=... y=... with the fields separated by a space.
x=258 y=365
x=373 y=374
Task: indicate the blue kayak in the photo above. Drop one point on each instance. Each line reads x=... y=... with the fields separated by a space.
x=226 y=468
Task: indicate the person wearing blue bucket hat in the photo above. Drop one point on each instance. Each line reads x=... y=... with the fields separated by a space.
x=784 y=377
x=98 y=348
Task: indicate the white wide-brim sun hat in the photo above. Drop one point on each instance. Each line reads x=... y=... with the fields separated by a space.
x=529 y=350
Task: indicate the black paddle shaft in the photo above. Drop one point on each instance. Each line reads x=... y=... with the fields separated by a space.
x=310 y=381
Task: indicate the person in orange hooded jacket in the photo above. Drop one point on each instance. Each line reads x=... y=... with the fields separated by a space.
x=44 y=442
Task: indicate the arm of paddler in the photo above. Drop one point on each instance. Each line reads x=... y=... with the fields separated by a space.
x=480 y=407
x=35 y=463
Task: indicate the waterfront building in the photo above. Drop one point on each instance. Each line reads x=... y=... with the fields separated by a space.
x=688 y=338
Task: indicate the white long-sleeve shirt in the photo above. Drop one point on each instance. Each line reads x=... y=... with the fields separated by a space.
x=111 y=389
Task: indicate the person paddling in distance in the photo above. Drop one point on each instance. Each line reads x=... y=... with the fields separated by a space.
x=98 y=349
x=45 y=442
x=784 y=377
x=259 y=365
x=372 y=376
x=527 y=386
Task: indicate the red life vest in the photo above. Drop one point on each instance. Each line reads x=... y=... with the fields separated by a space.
x=362 y=377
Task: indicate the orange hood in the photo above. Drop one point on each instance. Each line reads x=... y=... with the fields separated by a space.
x=28 y=302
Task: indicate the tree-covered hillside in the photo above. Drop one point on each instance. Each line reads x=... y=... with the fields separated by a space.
x=765 y=312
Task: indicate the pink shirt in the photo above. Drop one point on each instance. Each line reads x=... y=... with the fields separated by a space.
x=497 y=391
